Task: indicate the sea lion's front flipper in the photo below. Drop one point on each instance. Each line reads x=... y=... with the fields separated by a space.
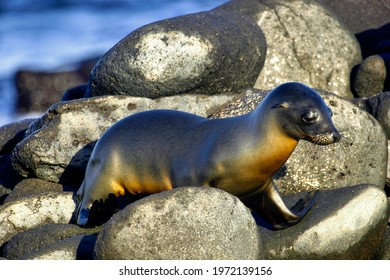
x=268 y=203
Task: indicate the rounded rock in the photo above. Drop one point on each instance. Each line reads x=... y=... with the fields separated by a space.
x=185 y=223
x=31 y=186
x=78 y=247
x=33 y=211
x=371 y=76
x=31 y=241
x=188 y=54
x=305 y=43
x=346 y=223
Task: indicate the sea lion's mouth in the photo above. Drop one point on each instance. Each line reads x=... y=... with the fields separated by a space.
x=323 y=139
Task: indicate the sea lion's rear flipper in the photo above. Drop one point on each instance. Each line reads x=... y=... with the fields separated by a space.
x=268 y=203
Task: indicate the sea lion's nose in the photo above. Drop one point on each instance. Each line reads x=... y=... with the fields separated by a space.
x=336 y=136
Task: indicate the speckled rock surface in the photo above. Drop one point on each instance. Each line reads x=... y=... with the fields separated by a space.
x=34 y=241
x=34 y=186
x=186 y=223
x=79 y=247
x=58 y=145
x=346 y=223
x=33 y=211
x=195 y=54
x=305 y=43
x=359 y=158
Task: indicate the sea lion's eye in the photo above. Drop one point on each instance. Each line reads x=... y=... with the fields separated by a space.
x=283 y=105
x=310 y=117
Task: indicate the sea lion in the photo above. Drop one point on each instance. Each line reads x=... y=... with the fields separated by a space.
x=159 y=150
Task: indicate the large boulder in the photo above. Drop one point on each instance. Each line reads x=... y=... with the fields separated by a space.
x=305 y=43
x=78 y=247
x=347 y=223
x=194 y=53
x=57 y=146
x=33 y=242
x=35 y=210
x=31 y=186
x=185 y=223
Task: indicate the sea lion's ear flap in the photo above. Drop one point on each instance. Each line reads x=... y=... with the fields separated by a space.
x=281 y=105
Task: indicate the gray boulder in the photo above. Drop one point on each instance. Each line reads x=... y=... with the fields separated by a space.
x=305 y=43
x=346 y=223
x=208 y=53
x=78 y=247
x=31 y=186
x=57 y=146
x=33 y=211
x=359 y=158
x=33 y=241
x=371 y=76
x=185 y=223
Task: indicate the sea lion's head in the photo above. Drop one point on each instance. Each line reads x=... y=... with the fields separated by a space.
x=303 y=114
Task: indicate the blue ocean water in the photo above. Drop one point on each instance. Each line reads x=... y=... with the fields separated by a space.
x=47 y=34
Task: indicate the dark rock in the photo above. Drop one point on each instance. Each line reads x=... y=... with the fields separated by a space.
x=76 y=92
x=360 y=157
x=372 y=76
x=185 y=223
x=38 y=90
x=192 y=54
x=305 y=43
x=34 y=240
x=57 y=146
x=11 y=134
x=346 y=223
x=374 y=41
x=360 y=15
x=8 y=177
